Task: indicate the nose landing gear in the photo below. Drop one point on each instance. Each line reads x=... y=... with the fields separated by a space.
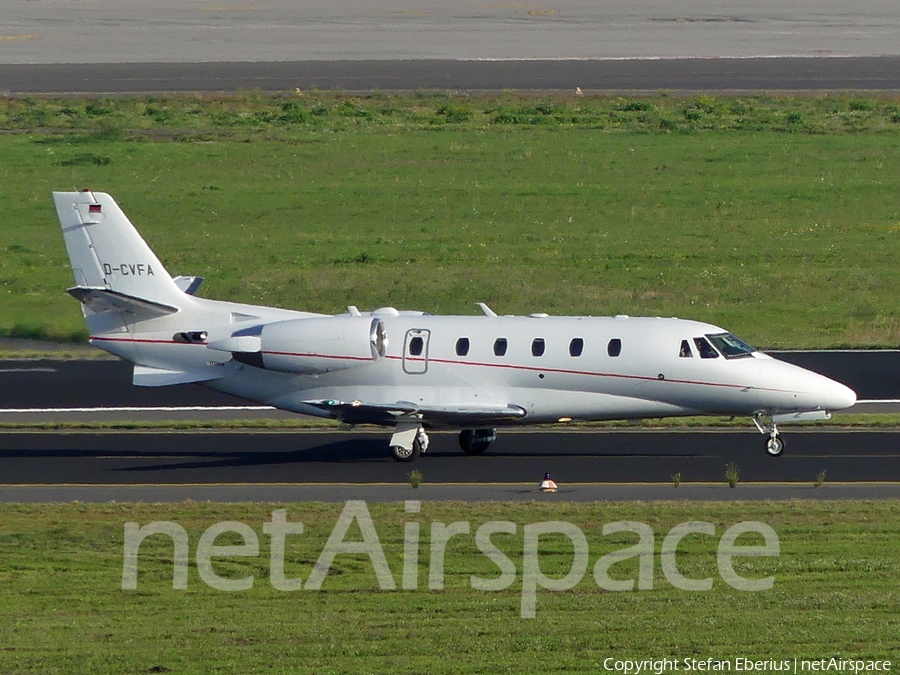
x=766 y=425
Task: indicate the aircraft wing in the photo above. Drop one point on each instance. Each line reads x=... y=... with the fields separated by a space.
x=360 y=412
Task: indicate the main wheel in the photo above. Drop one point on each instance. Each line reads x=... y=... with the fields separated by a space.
x=476 y=441
x=401 y=454
x=774 y=446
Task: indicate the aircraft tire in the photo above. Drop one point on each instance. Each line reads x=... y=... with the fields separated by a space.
x=774 y=446
x=401 y=454
x=476 y=441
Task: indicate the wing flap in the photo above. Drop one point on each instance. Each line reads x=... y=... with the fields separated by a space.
x=359 y=412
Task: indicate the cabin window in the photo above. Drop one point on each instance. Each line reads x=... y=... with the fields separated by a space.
x=685 y=351
x=500 y=347
x=462 y=346
x=416 y=346
x=537 y=347
x=705 y=349
x=731 y=346
x=614 y=348
x=576 y=347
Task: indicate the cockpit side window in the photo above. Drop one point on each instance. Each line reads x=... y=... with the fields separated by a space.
x=705 y=349
x=685 y=351
x=731 y=346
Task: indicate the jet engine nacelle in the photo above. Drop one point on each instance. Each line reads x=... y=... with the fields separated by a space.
x=309 y=346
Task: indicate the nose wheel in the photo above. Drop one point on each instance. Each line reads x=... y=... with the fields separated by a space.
x=774 y=446
x=766 y=425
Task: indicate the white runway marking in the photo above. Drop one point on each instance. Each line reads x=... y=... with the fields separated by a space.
x=686 y=57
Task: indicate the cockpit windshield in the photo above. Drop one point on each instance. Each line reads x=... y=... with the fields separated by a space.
x=731 y=347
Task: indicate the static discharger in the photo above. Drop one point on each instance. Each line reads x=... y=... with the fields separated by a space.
x=547 y=485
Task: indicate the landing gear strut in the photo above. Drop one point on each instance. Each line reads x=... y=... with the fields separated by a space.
x=476 y=441
x=766 y=425
x=408 y=442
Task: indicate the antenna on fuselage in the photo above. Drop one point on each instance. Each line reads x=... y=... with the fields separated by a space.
x=487 y=310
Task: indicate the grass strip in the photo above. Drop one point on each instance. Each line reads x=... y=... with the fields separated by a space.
x=64 y=610
x=765 y=215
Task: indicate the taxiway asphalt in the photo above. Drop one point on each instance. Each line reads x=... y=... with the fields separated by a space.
x=331 y=464
x=596 y=464
x=683 y=75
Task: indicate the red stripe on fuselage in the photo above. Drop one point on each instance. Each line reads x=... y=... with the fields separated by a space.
x=565 y=371
x=477 y=364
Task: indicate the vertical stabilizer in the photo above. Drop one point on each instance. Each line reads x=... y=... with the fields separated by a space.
x=108 y=253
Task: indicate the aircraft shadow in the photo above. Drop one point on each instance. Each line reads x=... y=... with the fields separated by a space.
x=338 y=452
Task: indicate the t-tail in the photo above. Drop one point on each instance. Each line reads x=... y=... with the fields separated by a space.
x=118 y=278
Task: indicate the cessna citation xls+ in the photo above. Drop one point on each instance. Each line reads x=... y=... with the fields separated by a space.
x=412 y=370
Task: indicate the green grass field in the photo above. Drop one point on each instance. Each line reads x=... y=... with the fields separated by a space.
x=776 y=218
x=64 y=610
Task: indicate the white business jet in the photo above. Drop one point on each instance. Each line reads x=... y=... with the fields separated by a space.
x=411 y=370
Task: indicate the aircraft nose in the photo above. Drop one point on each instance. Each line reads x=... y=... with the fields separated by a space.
x=808 y=390
x=836 y=396
x=822 y=392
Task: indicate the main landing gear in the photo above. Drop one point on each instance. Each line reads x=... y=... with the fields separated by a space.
x=476 y=441
x=766 y=425
x=410 y=440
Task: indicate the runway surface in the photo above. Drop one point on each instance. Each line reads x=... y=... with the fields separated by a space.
x=224 y=465
x=61 y=31
x=110 y=46
x=518 y=456
x=723 y=75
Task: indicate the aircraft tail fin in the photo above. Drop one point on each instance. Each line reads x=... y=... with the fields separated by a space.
x=108 y=254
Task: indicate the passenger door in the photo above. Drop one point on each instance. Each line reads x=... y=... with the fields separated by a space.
x=415 y=351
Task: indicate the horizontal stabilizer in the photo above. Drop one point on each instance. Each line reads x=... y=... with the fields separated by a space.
x=145 y=376
x=189 y=285
x=100 y=300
